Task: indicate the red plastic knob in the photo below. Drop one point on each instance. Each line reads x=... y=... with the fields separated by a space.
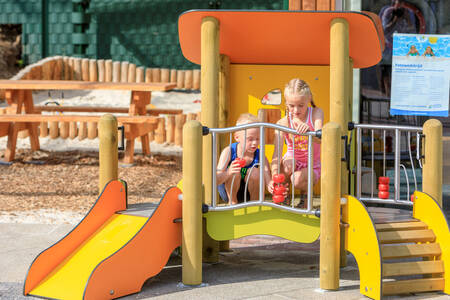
x=278 y=198
x=383 y=194
x=241 y=162
x=278 y=178
x=383 y=180
x=279 y=190
x=383 y=187
x=412 y=198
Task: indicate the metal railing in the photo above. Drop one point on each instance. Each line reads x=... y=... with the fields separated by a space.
x=397 y=160
x=261 y=201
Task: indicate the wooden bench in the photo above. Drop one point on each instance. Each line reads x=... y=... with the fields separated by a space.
x=22 y=112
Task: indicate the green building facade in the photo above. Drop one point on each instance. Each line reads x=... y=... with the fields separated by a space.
x=143 y=32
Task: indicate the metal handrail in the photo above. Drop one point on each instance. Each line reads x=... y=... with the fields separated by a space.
x=262 y=126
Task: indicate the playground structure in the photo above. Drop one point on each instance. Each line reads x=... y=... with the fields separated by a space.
x=224 y=66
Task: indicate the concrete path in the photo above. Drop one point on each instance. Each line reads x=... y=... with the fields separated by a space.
x=259 y=267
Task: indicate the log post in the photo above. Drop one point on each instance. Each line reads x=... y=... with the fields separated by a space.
x=330 y=206
x=108 y=70
x=101 y=70
x=432 y=164
x=170 y=136
x=124 y=71
x=148 y=75
x=58 y=72
x=188 y=79
x=196 y=80
x=156 y=75
x=165 y=75
x=91 y=130
x=131 y=73
x=93 y=71
x=43 y=129
x=192 y=204
x=116 y=71
x=180 y=119
x=180 y=79
x=82 y=131
x=73 y=130
x=108 y=152
x=53 y=129
x=85 y=69
x=77 y=69
x=173 y=75
x=140 y=75
x=64 y=130
x=160 y=133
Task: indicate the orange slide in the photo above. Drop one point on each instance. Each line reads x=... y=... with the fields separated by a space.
x=111 y=252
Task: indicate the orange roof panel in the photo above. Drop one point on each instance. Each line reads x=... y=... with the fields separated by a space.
x=283 y=37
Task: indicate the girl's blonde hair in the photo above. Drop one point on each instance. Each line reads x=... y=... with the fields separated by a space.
x=298 y=87
x=247 y=118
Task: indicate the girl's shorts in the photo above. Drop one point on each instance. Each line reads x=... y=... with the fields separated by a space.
x=301 y=165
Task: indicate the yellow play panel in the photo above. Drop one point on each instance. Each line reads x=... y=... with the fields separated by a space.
x=233 y=224
x=69 y=279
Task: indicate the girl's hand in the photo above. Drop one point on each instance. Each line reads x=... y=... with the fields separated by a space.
x=234 y=168
x=299 y=126
x=270 y=186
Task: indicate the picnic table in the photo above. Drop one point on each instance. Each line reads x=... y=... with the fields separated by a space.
x=22 y=114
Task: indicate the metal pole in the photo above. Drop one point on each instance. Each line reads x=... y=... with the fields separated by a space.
x=262 y=158
x=310 y=171
x=214 y=169
x=397 y=166
x=358 y=162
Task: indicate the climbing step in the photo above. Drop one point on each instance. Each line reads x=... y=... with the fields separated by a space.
x=410 y=250
x=400 y=226
x=413 y=286
x=406 y=236
x=413 y=267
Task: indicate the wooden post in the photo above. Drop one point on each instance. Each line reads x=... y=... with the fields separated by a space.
x=192 y=204
x=432 y=163
x=140 y=75
x=85 y=69
x=156 y=75
x=91 y=130
x=188 y=79
x=180 y=79
x=295 y=4
x=170 y=136
x=116 y=71
x=131 y=73
x=67 y=68
x=101 y=70
x=64 y=130
x=224 y=98
x=93 y=71
x=124 y=71
x=165 y=75
x=148 y=75
x=43 y=129
x=58 y=72
x=82 y=131
x=173 y=75
x=180 y=119
x=330 y=206
x=108 y=70
x=73 y=130
x=196 y=79
x=47 y=70
x=53 y=130
x=209 y=95
x=77 y=69
x=108 y=152
x=160 y=133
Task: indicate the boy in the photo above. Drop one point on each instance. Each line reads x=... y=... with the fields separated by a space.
x=231 y=177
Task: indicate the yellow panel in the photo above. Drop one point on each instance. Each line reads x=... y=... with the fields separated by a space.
x=427 y=210
x=249 y=83
x=233 y=224
x=362 y=241
x=69 y=279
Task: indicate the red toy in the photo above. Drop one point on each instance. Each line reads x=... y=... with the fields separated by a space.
x=241 y=162
x=383 y=187
x=279 y=189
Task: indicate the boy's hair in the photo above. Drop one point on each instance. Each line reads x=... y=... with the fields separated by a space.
x=298 y=87
x=247 y=118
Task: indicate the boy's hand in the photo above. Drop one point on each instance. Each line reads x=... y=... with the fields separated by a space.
x=271 y=187
x=234 y=168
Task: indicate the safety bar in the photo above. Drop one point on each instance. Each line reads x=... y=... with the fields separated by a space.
x=397 y=164
x=262 y=126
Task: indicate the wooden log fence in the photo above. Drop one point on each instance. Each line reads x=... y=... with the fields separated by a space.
x=169 y=129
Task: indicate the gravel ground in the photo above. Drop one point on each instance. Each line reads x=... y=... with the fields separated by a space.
x=67 y=182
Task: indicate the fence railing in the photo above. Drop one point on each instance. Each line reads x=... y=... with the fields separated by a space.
x=261 y=165
x=397 y=134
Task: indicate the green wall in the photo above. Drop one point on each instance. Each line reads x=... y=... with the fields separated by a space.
x=143 y=32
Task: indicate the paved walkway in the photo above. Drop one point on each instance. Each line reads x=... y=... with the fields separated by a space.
x=259 y=267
